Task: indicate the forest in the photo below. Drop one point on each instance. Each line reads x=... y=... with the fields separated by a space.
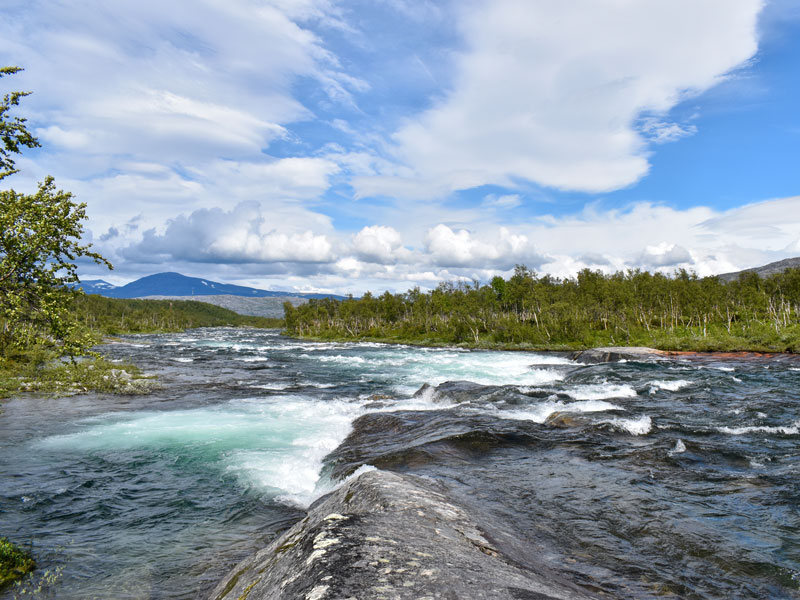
x=529 y=311
x=111 y=316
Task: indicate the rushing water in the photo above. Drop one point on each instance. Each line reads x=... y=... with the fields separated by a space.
x=675 y=478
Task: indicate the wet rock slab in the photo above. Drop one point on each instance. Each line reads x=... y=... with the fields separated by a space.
x=616 y=353
x=388 y=536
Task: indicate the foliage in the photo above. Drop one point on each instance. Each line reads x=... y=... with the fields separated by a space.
x=13 y=132
x=113 y=316
x=15 y=563
x=72 y=377
x=682 y=312
x=40 y=240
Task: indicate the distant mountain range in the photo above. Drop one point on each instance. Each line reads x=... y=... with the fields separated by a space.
x=766 y=270
x=175 y=284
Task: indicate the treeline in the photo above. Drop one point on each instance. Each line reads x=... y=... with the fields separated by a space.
x=117 y=316
x=680 y=312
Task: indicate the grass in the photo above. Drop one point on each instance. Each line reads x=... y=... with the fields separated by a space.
x=716 y=339
x=41 y=371
x=59 y=377
x=15 y=563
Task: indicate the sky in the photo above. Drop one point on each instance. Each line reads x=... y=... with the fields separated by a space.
x=323 y=145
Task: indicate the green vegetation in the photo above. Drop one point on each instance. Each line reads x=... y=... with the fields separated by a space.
x=13 y=131
x=682 y=312
x=67 y=377
x=44 y=318
x=112 y=316
x=38 y=368
x=15 y=563
x=40 y=237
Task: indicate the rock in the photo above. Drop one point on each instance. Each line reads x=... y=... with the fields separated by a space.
x=616 y=353
x=564 y=420
x=388 y=536
x=425 y=390
x=455 y=391
x=384 y=440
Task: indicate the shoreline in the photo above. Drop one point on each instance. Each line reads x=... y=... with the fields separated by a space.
x=556 y=348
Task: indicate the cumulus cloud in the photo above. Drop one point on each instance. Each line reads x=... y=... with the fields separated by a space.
x=285 y=254
x=666 y=255
x=448 y=248
x=379 y=244
x=241 y=235
x=552 y=92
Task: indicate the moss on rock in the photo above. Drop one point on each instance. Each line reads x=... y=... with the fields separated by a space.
x=15 y=563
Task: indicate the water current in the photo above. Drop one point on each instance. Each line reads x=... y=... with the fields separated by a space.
x=676 y=478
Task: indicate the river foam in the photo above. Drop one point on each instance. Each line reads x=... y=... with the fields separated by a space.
x=793 y=429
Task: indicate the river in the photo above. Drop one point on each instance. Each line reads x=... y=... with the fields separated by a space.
x=673 y=478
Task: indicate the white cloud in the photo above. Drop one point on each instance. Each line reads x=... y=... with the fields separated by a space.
x=300 y=178
x=662 y=132
x=241 y=235
x=666 y=255
x=163 y=116
x=301 y=253
x=172 y=81
x=379 y=244
x=270 y=247
x=551 y=92
x=772 y=222
x=501 y=202
x=499 y=249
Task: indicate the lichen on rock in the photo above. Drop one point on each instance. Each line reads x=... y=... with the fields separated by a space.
x=389 y=536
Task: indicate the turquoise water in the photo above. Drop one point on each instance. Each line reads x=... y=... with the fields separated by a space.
x=678 y=476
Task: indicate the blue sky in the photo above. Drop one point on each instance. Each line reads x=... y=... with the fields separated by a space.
x=345 y=146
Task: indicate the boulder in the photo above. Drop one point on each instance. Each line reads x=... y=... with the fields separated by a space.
x=389 y=536
x=565 y=420
x=456 y=391
x=616 y=353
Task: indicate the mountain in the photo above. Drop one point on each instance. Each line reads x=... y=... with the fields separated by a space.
x=271 y=306
x=175 y=284
x=766 y=270
x=96 y=286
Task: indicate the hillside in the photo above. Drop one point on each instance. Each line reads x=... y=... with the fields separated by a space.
x=270 y=307
x=766 y=270
x=117 y=315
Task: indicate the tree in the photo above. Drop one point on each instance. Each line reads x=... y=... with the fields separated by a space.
x=40 y=240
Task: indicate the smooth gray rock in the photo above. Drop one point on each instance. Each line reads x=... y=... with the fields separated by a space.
x=389 y=536
x=456 y=391
x=616 y=353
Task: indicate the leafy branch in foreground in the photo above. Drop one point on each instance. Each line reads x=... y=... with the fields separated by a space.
x=40 y=240
x=13 y=132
